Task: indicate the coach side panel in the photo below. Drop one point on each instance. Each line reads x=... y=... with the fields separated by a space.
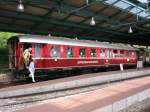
x=48 y=56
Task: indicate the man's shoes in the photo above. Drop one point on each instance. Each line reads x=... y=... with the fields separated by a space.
x=33 y=81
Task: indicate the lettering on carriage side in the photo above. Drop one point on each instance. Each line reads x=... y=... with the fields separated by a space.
x=87 y=62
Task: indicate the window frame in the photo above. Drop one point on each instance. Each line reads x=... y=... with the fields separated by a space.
x=50 y=51
x=102 y=49
x=122 y=53
x=85 y=52
x=95 y=53
x=127 y=54
x=40 y=50
x=108 y=53
x=115 y=55
x=73 y=51
x=133 y=54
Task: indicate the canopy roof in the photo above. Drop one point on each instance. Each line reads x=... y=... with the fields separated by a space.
x=71 y=18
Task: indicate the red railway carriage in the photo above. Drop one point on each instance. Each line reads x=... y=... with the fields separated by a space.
x=58 y=52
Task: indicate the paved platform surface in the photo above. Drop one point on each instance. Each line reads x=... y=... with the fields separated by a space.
x=5 y=77
x=109 y=99
x=72 y=82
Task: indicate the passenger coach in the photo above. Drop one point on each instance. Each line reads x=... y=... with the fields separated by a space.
x=58 y=52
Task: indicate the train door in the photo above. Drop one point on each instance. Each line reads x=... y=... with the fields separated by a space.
x=20 y=48
x=12 y=54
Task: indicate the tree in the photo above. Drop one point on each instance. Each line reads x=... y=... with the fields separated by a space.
x=4 y=36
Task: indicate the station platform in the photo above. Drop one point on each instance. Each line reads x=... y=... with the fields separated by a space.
x=5 y=77
x=109 y=99
x=71 y=82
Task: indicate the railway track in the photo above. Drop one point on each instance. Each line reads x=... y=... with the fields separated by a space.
x=13 y=104
x=9 y=104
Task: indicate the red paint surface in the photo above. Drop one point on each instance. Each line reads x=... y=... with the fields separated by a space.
x=48 y=63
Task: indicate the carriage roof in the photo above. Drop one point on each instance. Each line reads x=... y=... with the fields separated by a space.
x=72 y=42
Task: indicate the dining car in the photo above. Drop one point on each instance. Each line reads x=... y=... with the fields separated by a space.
x=50 y=52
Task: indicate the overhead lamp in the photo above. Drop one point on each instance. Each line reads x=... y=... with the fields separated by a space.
x=92 y=22
x=130 y=30
x=20 y=6
x=87 y=2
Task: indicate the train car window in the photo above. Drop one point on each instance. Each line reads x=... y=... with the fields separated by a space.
x=69 y=52
x=109 y=53
x=93 y=52
x=55 y=51
x=102 y=53
x=82 y=52
x=121 y=54
x=132 y=54
x=127 y=54
x=38 y=50
x=115 y=53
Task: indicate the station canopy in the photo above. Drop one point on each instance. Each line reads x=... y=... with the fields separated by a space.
x=126 y=21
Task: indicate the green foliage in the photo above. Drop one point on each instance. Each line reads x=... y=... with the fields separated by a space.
x=3 y=56
x=4 y=36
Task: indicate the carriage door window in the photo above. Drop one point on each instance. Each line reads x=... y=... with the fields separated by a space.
x=102 y=53
x=93 y=52
x=82 y=52
x=38 y=50
x=115 y=54
x=55 y=51
x=69 y=52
